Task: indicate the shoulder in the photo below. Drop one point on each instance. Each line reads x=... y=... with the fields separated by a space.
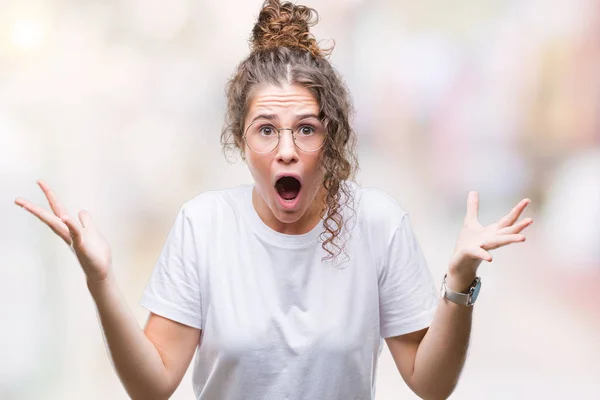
x=377 y=208
x=213 y=203
x=379 y=216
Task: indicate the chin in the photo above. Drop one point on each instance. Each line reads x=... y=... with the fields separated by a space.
x=286 y=214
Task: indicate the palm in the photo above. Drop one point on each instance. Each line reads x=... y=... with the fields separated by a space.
x=85 y=240
x=475 y=240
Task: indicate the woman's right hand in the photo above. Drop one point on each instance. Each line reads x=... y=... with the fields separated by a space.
x=85 y=240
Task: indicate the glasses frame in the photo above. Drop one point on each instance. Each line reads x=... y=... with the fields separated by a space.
x=279 y=140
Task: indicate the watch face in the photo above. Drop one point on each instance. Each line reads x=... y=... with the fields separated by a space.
x=475 y=291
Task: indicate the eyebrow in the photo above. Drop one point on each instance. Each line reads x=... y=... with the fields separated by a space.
x=272 y=117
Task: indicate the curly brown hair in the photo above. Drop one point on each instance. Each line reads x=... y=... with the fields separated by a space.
x=284 y=51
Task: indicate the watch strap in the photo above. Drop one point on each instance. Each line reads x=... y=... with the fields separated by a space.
x=457 y=297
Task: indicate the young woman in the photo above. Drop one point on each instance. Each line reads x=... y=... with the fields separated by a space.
x=287 y=287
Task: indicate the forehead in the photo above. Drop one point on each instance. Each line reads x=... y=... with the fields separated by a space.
x=292 y=99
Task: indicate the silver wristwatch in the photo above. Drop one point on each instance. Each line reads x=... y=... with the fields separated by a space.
x=465 y=299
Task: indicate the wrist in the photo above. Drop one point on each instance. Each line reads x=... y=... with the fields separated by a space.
x=460 y=282
x=96 y=286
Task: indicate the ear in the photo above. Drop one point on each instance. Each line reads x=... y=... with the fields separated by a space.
x=241 y=146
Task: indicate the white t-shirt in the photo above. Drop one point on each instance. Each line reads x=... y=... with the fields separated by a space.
x=278 y=323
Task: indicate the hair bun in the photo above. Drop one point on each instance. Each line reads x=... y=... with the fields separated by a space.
x=286 y=25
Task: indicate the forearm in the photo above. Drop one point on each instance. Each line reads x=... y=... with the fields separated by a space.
x=442 y=352
x=136 y=360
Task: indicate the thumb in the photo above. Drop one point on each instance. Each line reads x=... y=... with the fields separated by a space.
x=86 y=219
x=74 y=228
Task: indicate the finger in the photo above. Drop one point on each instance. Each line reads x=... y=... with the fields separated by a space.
x=503 y=240
x=514 y=214
x=58 y=209
x=516 y=228
x=46 y=217
x=86 y=219
x=472 y=207
x=74 y=229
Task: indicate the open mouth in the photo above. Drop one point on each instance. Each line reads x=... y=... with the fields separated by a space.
x=288 y=187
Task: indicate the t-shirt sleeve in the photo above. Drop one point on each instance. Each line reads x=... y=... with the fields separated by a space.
x=173 y=290
x=407 y=295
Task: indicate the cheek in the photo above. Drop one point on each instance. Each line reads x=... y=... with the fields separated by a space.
x=259 y=168
x=316 y=167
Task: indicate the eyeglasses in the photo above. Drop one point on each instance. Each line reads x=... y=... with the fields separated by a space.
x=263 y=137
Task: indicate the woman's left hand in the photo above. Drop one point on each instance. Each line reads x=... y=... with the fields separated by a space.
x=475 y=240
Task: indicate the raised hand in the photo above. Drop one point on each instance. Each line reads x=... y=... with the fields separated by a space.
x=84 y=239
x=475 y=240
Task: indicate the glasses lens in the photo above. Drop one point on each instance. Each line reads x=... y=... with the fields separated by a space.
x=262 y=136
x=309 y=136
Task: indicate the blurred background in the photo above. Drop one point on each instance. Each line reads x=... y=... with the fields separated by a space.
x=118 y=105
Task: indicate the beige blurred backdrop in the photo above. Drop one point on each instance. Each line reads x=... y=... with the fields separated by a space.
x=118 y=105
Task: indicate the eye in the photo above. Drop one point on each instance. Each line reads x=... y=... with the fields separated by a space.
x=306 y=130
x=266 y=130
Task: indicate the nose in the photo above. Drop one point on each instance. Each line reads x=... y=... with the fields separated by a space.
x=286 y=151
